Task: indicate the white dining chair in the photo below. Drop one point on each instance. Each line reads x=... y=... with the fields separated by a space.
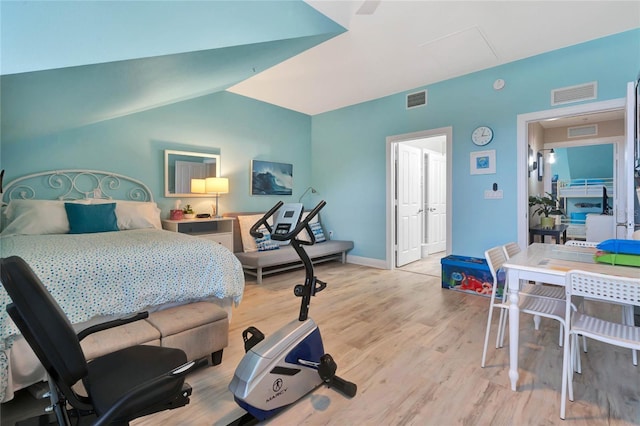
x=627 y=310
x=535 y=305
x=605 y=288
x=539 y=289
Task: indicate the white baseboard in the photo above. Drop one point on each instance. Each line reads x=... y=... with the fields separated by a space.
x=367 y=261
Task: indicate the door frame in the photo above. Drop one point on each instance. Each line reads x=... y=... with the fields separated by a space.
x=522 y=139
x=391 y=141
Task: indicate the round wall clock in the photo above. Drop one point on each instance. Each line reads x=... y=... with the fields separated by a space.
x=482 y=135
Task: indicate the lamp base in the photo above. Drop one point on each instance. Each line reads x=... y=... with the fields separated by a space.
x=216 y=214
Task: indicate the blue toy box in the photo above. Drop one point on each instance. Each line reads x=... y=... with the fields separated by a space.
x=469 y=275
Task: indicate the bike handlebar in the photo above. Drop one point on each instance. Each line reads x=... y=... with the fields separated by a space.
x=254 y=229
x=304 y=223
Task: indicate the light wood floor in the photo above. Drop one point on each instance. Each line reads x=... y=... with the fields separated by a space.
x=414 y=351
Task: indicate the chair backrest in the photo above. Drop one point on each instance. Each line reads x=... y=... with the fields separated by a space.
x=42 y=323
x=607 y=288
x=511 y=249
x=495 y=259
x=577 y=243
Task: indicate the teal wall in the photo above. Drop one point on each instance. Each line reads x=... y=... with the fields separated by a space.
x=54 y=34
x=348 y=145
x=238 y=128
x=342 y=153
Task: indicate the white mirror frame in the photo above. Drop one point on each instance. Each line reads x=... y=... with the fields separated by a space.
x=199 y=158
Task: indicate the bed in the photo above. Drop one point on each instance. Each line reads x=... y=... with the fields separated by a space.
x=582 y=196
x=124 y=267
x=591 y=187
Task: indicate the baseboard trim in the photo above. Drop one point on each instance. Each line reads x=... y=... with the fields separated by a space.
x=367 y=261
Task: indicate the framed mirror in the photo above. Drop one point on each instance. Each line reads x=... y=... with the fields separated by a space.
x=182 y=166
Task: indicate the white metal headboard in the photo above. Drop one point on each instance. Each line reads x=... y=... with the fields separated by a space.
x=76 y=184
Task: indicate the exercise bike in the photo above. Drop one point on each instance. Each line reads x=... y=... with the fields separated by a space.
x=277 y=371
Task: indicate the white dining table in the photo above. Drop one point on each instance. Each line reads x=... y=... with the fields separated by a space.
x=548 y=263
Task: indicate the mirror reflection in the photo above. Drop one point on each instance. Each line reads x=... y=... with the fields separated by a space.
x=182 y=166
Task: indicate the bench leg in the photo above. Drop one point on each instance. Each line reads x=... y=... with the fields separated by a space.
x=216 y=357
x=259 y=276
x=344 y=257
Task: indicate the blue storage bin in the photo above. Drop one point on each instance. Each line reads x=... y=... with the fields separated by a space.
x=470 y=275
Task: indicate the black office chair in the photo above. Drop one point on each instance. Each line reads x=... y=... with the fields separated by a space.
x=120 y=386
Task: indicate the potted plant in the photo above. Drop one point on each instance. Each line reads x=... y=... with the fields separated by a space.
x=188 y=212
x=545 y=205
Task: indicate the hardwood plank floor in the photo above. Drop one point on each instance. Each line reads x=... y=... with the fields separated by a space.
x=414 y=351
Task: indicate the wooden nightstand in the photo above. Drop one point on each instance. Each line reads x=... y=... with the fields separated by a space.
x=219 y=230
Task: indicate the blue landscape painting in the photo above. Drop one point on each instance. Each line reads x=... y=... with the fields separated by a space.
x=269 y=178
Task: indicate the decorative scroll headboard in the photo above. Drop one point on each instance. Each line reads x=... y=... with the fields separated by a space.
x=74 y=185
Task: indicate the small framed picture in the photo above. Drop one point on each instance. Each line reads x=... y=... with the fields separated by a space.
x=483 y=162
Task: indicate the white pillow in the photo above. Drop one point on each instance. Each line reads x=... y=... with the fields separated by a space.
x=37 y=217
x=246 y=222
x=134 y=214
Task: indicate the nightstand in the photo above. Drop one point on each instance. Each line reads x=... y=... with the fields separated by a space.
x=219 y=230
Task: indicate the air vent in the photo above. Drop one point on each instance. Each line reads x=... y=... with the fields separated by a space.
x=417 y=99
x=567 y=95
x=582 y=131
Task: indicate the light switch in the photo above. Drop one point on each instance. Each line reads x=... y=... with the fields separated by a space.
x=493 y=195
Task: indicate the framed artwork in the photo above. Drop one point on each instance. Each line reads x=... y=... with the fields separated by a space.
x=483 y=162
x=269 y=178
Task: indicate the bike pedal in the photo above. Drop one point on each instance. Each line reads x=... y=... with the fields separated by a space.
x=251 y=336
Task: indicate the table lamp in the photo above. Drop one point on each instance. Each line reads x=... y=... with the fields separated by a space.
x=198 y=186
x=217 y=186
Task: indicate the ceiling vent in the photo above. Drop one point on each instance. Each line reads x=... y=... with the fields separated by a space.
x=417 y=99
x=567 y=95
x=582 y=131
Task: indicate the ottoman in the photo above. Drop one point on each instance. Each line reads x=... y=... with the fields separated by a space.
x=200 y=329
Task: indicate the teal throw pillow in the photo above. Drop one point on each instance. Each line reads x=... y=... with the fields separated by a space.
x=90 y=218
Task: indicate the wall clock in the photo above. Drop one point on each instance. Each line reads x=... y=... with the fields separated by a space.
x=482 y=135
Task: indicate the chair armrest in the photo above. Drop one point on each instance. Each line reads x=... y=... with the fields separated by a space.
x=146 y=394
x=113 y=323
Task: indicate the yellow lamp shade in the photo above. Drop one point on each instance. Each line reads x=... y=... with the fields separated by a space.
x=217 y=185
x=198 y=186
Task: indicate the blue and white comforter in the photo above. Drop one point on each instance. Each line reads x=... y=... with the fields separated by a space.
x=116 y=273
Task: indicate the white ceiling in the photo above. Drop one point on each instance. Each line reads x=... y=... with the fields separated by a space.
x=283 y=53
x=393 y=46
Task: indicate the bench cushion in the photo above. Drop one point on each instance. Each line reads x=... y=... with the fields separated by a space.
x=199 y=329
x=114 y=339
x=286 y=254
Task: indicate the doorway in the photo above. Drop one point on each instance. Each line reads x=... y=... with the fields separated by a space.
x=523 y=122
x=418 y=176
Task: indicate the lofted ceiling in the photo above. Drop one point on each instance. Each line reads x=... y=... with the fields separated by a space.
x=68 y=64
x=393 y=46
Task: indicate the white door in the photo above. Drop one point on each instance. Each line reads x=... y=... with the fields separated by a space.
x=625 y=220
x=436 y=202
x=409 y=201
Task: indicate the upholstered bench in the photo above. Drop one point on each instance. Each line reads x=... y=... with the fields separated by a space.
x=123 y=336
x=200 y=329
